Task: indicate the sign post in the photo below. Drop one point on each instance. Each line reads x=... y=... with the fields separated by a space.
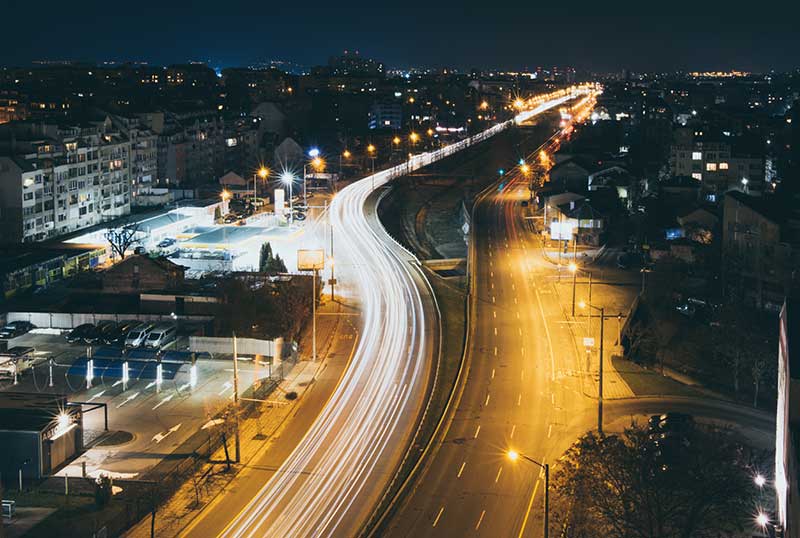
x=312 y=260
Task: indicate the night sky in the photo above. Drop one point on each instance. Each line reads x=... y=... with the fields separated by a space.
x=232 y=32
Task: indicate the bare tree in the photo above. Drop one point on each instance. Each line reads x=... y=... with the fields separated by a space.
x=122 y=238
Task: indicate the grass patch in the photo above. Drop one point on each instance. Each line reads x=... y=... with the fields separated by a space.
x=645 y=382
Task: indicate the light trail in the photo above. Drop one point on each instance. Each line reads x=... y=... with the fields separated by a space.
x=327 y=486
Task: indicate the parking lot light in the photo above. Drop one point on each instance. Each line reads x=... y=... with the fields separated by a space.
x=760 y=480
x=762 y=520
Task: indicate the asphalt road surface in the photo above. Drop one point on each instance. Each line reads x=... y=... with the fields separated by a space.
x=522 y=391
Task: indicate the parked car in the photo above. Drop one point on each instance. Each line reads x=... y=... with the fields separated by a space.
x=104 y=332
x=166 y=243
x=137 y=336
x=670 y=424
x=81 y=333
x=161 y=335
x=120 y=332
x=299 y=216
x=16 y=328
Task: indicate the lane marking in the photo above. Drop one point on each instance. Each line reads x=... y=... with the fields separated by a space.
x=494 y=314
x=480 y=519
x=528 y=511
x=552 y=398
x=513 y=429
x=520 y=331
x=499 y=472
x=495 y=354
x=515 y=300
x=517 y=315
x=477 y=431
x=492 y=373
x=519 y=399
x=492 y=285
x=549 y=431
x=495 y=331
x=486 y=403
x=435 y=521
x=461 y=470
x=522 y=349
x=522 y=375
x=492 y=299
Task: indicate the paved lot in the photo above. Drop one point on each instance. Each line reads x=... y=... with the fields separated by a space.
x=159 y=418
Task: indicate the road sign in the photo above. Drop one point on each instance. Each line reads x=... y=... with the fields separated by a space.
x=310 y=260
x=588 y=342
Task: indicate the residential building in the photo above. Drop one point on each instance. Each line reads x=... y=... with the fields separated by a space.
x=787 y=434
x=56 y=179
x=135 y=274
x=143 y=156
x=717 y=165
x=760 y=251
x=386 y=115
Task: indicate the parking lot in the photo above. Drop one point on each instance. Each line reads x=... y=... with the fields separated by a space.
x=158 y=416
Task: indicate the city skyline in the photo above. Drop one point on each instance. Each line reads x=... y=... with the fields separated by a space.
x=471 y=37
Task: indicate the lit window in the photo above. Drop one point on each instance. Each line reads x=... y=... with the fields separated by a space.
x=697 y=175
x=711 y=167
x=723 y=166
x=697 y=156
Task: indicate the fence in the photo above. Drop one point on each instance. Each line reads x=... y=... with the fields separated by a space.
x=244 y=346
x=57 y=320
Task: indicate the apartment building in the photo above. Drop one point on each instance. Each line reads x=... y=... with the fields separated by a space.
x=143 y=156
x=59 y=178
x=718 y=166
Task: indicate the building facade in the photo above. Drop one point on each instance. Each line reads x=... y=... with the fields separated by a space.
x=717 y=167
x=56 y=179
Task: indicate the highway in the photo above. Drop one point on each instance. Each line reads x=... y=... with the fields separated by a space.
x=522 y=391
x=332 y=480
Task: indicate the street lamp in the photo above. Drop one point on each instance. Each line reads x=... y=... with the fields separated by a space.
x=262 y=173
x=602 y=311
x=414 y=137
x=287 y=178
x=318 y=164
x=573 y=268
x=513 y=455
x=760 y=480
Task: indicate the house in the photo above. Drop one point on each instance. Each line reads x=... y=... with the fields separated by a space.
x=570 y=216
x=236 y=185
x=135 y=274
x=699 y=225
x=760 y=249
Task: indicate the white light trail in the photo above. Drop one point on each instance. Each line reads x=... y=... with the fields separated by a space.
x=319 y=483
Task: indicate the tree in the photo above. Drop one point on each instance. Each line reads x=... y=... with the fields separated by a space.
x=625 y=486
x=269 y=263
x=122 y=238
x=265 y=258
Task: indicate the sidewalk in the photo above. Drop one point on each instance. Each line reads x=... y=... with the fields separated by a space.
x=261 y=431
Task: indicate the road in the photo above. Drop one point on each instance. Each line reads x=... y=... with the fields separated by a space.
x=332 y=480
x=523 y=391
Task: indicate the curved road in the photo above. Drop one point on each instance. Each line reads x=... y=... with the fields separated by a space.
x=330 y=483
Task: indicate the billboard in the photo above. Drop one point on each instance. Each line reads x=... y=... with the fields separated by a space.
x=310 y=260
x=561 y=231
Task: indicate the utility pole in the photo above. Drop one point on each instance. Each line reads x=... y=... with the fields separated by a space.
x=333 y=279
x=600 y=384
x=314 y=316
x=237 y=443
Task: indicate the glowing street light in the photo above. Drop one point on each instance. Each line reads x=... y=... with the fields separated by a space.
x=525 y=169
x=484 y=105
x=346 y=154
x=760 y=480
x=514 y=456
x=313 y=153
x=762 y=519
x=430 y=132
x=414 y=137
x=262 y=173
x=519 y=104
x=287 y=178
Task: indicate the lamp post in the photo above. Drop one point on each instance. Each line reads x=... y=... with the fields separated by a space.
x=262 y=173
x=602 y=311
x=371 y=151
x=287 y=178
x=513 y=455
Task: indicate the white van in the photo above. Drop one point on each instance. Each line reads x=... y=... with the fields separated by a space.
x=162 y=335
x=137 y=336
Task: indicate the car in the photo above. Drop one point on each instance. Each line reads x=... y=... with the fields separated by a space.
x=161 y=335
x=165 y=243
x=230 y=218
x=81 y=333
x=299 y=216
x=118 y=334
x=137 y=335
x=16 y=328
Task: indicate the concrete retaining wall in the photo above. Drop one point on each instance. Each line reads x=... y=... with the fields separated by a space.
x=58 y=320
x=244 y=346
